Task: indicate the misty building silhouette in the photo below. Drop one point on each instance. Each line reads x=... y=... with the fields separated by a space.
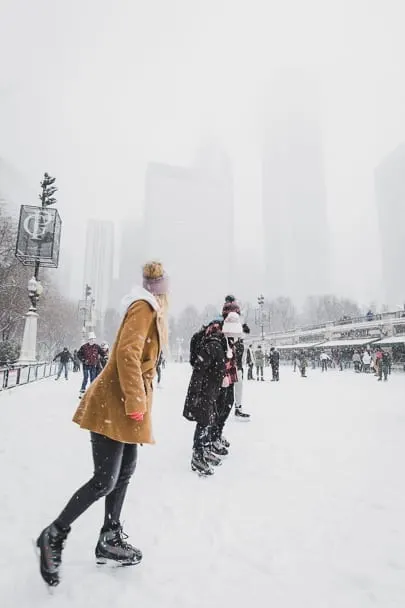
x=389 y=184
x=294 y=199
x=99 y=265
x=189 y=226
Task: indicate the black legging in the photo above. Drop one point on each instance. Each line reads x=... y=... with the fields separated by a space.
x=114 y=465
x=224 y=406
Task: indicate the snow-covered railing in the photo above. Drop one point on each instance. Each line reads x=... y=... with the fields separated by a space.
x=16 y=375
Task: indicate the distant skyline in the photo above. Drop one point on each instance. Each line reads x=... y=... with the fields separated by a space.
x=100 y=96
x=294 y=199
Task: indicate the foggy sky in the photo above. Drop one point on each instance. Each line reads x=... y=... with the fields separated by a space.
x=91 y=90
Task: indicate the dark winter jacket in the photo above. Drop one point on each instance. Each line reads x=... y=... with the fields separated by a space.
x=64 y=356
x=275 y=358
x=249 y=357
x=239 y=350
x=206 y=380
x=89 y=354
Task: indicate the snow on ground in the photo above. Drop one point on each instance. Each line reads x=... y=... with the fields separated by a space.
x=307 y=511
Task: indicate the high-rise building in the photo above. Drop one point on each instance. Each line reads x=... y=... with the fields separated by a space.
x=99 y=264
x=189 y=226
x=131 y=258
x=390 y=197
x=296 y=234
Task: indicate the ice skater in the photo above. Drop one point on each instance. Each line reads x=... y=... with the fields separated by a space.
x=208 y=356
x=64 y=357
x=275 y=364
x=240 y=357
x=116 y=410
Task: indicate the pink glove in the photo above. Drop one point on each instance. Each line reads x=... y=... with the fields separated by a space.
x=137 y=416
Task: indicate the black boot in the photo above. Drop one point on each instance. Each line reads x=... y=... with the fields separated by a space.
x=240 y=414
x=200 y=465
x=111 y=547
x=211 y=458
x=50 y=544
x=219 y=449
x=225 y=442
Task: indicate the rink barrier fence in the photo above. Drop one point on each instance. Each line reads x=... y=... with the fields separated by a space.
x=17 y=375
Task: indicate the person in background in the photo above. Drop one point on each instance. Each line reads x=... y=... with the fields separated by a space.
x=76 y=362
x=240 y=356
x=356 y=361
x=324 y=361
x=159 y=368
x=366 y=361
x=303 y=364
x=105 y=353
x=64 y=357
x=89 y=354
x=275 y=364
x=117 y=411
x=259 y=359
x=250 y=362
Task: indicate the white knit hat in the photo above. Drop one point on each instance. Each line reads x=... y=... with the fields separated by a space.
x=232 y=327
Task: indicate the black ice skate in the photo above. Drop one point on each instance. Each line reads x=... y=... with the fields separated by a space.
x=50 y=545
x=200 y=465
x=112 y=548
x=225 y=442
x=218 y=449
x=241 y=414
x=211 y=458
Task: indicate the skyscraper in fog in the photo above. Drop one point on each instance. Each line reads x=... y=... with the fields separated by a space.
x=99 y=263
x=189 y=225
x=296 y=234
x=131 y=258
x=390 y=197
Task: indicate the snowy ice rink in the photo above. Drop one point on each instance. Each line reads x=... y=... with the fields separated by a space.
x=308 y=510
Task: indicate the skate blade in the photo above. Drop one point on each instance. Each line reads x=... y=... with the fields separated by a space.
x=200 y=474
x=113 y=564
x=50 y=588
x=240 y=419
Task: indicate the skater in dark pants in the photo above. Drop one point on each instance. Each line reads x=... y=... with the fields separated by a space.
x=259 y=358
x=89 y=354
x=207 y=353
x=303 y=364
x=250 y=362
x=64 y=357
x=117 y=411
x=383 y=366
x=275 y=364
x=76 y=362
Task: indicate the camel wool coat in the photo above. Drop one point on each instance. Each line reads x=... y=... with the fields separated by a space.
x=125 y=384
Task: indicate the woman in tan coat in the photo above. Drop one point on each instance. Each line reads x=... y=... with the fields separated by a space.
x=116 y=409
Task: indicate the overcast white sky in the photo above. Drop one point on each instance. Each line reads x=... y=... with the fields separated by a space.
x=91 y=90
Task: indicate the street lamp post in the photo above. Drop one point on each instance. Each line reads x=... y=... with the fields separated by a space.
x=37 y=245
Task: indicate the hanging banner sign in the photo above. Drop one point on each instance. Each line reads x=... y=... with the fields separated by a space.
x=38 y=237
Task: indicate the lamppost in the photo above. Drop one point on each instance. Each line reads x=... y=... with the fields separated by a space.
x=37 y=245
x=86 y=309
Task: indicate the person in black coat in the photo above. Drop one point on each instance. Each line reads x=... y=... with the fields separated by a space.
x=203 y=392
x=275 y=364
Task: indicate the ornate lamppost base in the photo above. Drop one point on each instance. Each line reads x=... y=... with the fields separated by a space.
x=29 y=343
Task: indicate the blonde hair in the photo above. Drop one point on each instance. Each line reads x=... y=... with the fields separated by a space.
x=153 y=270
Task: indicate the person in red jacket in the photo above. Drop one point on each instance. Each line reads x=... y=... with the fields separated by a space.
x=89 y=354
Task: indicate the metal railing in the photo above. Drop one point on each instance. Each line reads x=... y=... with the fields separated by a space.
x=17 y=375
